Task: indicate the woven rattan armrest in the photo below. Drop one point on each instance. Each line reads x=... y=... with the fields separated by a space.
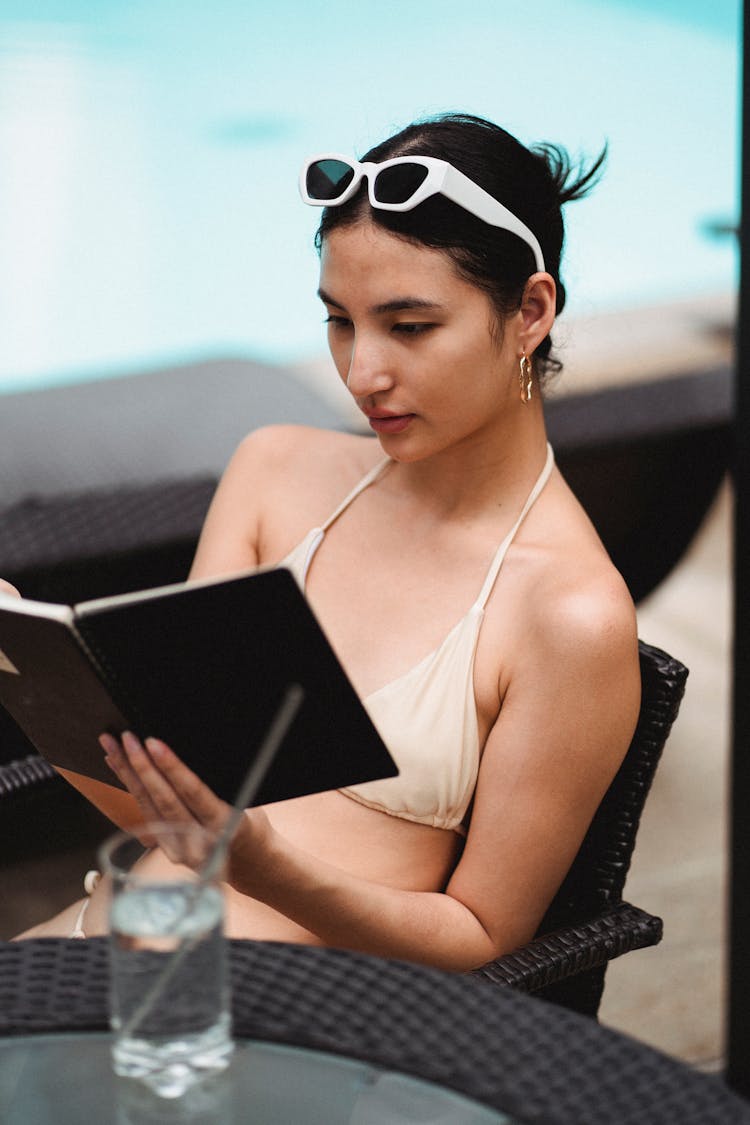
x=575 y=949
x=22 y=773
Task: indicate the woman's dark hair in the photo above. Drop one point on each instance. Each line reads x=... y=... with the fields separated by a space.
x=533 y=183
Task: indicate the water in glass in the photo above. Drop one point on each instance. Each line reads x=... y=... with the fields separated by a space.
x=170 y=1006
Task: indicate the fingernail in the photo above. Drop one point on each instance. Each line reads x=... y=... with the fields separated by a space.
x=155 y=747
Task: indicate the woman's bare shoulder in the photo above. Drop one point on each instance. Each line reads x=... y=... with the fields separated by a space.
x=584 y=620
x=590 y=606
x=281 y=449
x=569 y=607
x=281 y=481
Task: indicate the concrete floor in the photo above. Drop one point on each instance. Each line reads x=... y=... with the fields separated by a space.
x=671 y=996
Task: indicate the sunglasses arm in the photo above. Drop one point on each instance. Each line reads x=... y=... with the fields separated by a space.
x=463 y=191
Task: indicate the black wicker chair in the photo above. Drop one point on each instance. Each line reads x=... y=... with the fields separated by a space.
x=588 y=924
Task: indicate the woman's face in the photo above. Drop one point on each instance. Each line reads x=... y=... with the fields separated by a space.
x=418 y=347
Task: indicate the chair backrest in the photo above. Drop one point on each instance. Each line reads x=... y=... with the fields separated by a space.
x=597 y=876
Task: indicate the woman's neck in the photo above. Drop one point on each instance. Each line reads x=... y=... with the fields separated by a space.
x=486 y=471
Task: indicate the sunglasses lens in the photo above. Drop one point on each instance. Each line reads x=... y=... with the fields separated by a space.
x=398 y=183
x=328 y=179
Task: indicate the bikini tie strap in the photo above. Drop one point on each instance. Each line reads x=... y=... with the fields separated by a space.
x=497 y=562
x=366 y=481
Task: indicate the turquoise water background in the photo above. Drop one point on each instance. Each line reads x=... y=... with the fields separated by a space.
x=149 y=154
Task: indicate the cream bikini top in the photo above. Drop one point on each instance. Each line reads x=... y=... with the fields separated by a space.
x=427 y=717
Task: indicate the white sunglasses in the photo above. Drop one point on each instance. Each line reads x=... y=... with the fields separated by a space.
x=401 y=184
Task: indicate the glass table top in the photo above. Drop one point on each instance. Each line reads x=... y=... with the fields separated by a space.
x=67 y=1079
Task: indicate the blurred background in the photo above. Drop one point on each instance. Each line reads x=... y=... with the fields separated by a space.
x=149 y=152
x=150 y=226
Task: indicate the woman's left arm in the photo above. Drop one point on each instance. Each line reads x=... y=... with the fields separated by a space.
x=567 y=719
x=341 y=909
x=565 y=724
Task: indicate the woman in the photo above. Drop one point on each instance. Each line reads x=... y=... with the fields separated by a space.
x=451 y=534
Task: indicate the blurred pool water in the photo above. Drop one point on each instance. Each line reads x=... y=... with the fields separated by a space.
x=149 y=154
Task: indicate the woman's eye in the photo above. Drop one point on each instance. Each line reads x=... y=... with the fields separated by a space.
x=337 y=321
x=410 y=329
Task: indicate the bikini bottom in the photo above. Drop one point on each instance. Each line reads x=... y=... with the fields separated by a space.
x=90 y=883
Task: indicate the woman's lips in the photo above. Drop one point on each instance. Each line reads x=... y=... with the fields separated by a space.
x=389 y=423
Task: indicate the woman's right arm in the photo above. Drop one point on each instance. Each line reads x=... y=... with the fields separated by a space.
x=231 y=539
x=266 y=491
x=227 y=544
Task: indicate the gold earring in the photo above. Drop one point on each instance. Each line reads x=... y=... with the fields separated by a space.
x=525 y=373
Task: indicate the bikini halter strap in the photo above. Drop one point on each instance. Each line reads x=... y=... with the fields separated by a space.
x=497 y=562
x=366 y=481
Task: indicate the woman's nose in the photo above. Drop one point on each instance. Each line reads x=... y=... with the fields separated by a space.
x=368 y=370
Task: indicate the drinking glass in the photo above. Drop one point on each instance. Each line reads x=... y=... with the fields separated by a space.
x=169 y=991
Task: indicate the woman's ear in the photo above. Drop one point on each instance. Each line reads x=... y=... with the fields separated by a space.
x=538 y=311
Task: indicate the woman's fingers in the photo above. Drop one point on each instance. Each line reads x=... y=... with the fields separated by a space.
x=208 y=809
x=156 y=798
x=167 y=791
x=118 y=762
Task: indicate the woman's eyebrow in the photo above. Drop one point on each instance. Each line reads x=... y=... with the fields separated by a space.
x=397 y=304
x=328 y=300
x=400 y=303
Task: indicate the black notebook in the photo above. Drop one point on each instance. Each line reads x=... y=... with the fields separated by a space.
x=203 y=666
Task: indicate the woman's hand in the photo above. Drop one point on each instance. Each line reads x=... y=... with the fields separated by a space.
x=6 y=588
x=167 y=791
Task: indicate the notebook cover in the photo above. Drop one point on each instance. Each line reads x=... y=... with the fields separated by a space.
x=51 y=690
x=203 y=667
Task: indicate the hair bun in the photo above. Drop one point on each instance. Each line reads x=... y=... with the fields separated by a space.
x=571 y=179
